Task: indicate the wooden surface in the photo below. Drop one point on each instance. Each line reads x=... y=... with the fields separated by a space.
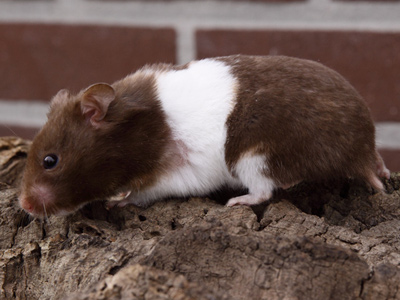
x=315 y=241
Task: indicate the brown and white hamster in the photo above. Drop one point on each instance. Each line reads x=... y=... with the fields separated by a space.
x=252 y=122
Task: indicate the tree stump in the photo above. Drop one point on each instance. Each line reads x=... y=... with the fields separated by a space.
x=334 y=240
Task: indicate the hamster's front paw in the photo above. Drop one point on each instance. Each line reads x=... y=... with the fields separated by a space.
x=120 y=200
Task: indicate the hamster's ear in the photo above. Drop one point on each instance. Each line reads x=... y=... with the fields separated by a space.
x=60 y=97
x=95 y=101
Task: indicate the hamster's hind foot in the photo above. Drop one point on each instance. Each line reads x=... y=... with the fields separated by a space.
x=248 y=200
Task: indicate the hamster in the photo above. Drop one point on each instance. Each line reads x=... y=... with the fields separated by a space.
x=252 y=122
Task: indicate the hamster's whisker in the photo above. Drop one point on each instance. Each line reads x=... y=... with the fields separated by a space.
x=45 y=213
x=12 y=131
x=26 y=218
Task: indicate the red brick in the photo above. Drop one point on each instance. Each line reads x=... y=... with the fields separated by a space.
x=369 y=60
x=262 y=0
x=391 y=158
x=37 y=60
x=219 y=0
x=367 y=0
x=19 y=131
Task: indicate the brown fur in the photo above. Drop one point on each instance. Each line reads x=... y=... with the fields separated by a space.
x=310 y=123
x=128 y=146
x=306 y=119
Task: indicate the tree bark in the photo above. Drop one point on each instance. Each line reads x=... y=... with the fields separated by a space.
x=335 y=240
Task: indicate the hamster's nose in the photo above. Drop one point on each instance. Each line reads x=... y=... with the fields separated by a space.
x=25 y=204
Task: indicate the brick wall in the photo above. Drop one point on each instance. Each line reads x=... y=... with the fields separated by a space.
x=54 y=44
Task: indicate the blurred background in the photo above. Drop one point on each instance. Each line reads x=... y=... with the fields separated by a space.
x=47 y=45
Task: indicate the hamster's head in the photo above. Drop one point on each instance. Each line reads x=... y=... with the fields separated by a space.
x=70 y=161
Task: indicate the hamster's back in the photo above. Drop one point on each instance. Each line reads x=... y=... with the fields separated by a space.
x=307 y=120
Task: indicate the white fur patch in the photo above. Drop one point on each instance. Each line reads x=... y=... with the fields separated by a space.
x=251 y=170
x=197 y=102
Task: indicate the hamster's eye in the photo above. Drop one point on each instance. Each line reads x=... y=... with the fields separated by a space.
x=50 y=161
